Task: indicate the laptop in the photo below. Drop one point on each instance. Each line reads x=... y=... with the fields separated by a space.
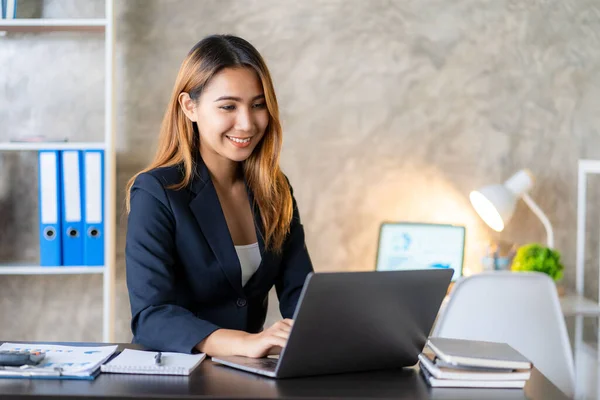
x=356 y=321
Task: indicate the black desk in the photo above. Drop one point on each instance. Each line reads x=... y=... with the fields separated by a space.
x=214 y=381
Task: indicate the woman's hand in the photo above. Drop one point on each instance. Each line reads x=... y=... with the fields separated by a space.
x=229 y=342
x=268 y=342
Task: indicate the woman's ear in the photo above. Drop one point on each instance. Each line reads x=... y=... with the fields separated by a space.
x=188 y=106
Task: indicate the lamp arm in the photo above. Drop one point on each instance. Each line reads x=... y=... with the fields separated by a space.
x=540 y=214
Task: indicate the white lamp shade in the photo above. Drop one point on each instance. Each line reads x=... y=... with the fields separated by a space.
x=495 y=204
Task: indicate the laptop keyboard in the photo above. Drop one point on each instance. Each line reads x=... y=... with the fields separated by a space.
x=261 y=363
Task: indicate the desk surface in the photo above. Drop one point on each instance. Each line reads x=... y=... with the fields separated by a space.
x=215 y=381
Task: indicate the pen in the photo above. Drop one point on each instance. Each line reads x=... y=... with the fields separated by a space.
x=158 y=358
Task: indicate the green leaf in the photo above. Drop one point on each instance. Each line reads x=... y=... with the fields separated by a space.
x=535 y=257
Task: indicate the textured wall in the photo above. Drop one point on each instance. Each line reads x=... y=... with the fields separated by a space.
x=392 y=110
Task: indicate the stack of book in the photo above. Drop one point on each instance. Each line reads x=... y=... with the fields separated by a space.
x=467 y=363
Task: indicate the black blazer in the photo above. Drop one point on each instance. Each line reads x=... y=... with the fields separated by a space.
x=183 y=274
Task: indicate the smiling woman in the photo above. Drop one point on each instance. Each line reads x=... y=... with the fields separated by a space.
x=213 y=224
x=232 y=121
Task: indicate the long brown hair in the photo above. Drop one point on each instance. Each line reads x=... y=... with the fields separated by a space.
x=179 y=137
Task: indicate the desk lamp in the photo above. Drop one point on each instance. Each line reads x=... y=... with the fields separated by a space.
x=495 y=204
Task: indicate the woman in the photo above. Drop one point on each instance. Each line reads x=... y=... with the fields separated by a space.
x=213 y=224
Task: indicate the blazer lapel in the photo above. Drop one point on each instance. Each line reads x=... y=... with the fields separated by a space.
x=257 y=222
x=208 y=212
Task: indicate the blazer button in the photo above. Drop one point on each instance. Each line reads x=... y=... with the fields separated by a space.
x=241 y=302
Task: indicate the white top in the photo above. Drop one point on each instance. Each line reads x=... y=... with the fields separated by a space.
x=249 y=256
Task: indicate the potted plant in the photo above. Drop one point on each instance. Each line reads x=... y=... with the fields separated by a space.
x=536 y=257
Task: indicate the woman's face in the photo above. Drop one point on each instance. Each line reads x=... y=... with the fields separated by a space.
x=231 y=113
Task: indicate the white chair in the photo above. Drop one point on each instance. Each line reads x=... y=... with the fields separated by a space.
x=521 y=309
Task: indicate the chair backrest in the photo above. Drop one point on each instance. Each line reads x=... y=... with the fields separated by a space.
x=521 y=309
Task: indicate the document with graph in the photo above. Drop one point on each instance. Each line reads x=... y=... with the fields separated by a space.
x=59 y=362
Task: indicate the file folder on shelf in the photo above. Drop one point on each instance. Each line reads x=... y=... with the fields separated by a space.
x=49 y=208
x=8 y=9
x=72 y=199
x=93 y=167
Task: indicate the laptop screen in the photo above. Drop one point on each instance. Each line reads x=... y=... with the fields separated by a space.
x=420 y=246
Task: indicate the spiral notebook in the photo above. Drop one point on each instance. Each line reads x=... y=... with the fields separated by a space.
x=142 y=362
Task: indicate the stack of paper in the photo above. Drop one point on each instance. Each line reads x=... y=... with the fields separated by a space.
x=467 y=363
x=61 y=362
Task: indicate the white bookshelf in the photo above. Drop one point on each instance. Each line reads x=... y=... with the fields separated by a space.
x=49 y=25
x=107 y=26
x=58 y=270
x=573 y=304
x=36 y=146
x=579 y=305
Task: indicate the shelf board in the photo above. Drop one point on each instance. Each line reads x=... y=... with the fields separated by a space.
x=37 y=270
x=574 y=304
x=34 y=146
x=48 y=25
